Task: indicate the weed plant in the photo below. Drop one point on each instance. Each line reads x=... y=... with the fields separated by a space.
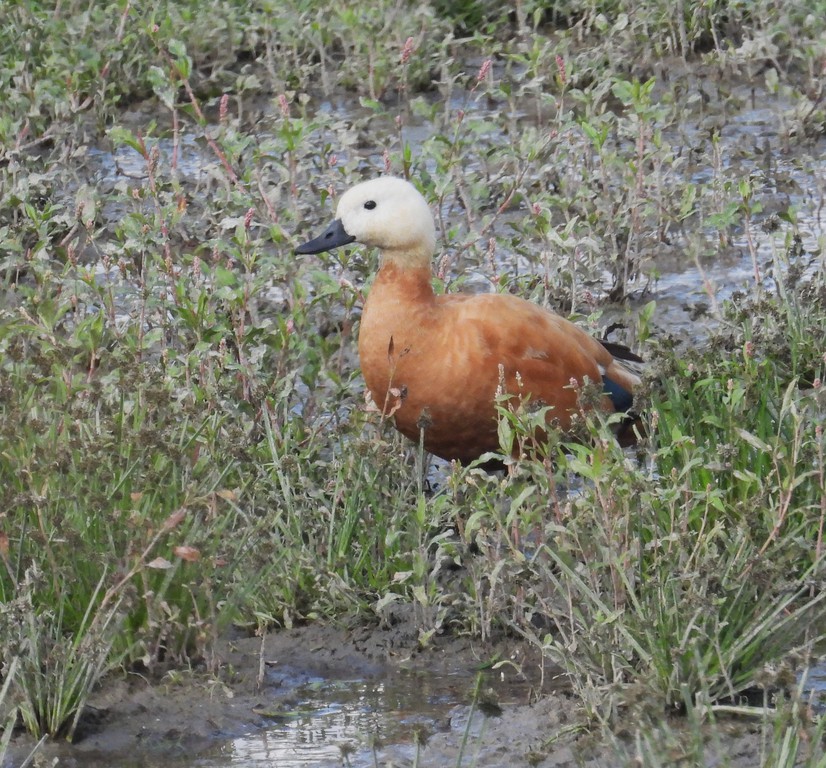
x=183 y=440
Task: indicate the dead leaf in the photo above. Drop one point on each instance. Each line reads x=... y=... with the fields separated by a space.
x=174 y=520
x=190 y=554
x=370 y=404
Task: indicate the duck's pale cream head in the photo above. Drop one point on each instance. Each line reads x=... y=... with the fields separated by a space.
x=386 y=213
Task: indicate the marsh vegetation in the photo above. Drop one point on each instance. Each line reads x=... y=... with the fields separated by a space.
x=184 y=445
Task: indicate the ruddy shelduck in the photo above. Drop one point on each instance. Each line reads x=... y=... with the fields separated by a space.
x=436 y=363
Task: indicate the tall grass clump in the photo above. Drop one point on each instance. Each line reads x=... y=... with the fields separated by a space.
x=55 y=666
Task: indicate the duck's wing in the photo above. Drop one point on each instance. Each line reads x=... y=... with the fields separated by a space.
x=546 y=350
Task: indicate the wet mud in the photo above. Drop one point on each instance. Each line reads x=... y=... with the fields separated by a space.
x=323 y=695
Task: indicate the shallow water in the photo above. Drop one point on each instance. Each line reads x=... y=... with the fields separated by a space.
x=356 y=718
x=750 y=145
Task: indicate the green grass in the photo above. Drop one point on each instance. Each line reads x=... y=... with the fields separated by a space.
x=183 y=442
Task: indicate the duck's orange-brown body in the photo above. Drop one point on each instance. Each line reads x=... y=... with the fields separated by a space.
x=435 y=363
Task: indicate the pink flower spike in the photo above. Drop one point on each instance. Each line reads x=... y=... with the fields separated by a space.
x=284 y=105
x=407 y=51
x=483 y=70
x=560 y=65
x=248 y=218
x=223 y=108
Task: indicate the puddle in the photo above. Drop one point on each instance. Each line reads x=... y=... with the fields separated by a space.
x=356 y=719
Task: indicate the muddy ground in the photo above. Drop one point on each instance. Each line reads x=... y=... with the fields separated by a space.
x=184 y=719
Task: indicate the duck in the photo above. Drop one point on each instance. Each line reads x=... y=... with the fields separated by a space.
x=439 y=364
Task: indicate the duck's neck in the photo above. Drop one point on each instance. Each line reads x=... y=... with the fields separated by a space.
x=408 y=257
x=410 y=284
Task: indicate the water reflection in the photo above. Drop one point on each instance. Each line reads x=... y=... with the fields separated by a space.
x=352 y=723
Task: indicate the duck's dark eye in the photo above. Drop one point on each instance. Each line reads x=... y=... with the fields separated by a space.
x=370 y=204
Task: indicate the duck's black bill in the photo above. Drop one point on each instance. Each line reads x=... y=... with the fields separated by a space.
x=332 y=237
